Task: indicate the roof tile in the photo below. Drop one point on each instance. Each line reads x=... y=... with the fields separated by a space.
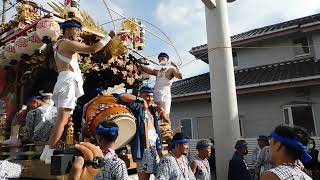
x=255 y=75
x=268 y=29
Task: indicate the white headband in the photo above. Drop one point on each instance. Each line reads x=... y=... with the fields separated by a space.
x=45 y=94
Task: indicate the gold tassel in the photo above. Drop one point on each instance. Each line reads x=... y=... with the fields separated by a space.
x=3 y=126
x=70 y=132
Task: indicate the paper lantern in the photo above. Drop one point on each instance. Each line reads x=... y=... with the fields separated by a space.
x=22 y=46
x=35 y=42
x=10 y=52
x=71 y=10
x=48 y=28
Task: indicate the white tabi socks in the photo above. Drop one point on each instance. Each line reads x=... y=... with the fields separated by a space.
x=46 y=154
x=49 y=155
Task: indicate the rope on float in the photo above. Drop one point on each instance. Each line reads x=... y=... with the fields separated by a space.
x=105 y=3
x=168 y=42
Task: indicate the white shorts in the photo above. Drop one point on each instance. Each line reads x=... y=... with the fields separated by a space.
x=163 y=98
x=64 y=94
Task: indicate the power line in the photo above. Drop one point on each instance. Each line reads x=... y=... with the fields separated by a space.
x=10 y=3
x=105 y=3
x=170 y=42
x=154 y=27
x=212 y=49
x=9 y=8
x=246 y=47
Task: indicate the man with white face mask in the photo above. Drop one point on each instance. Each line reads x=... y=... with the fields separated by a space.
x=40 y=122
x=164 y=77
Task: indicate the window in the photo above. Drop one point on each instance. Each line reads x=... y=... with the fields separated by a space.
x=300 y=115
x=301 y=46
x=286 y=115
x=241 y=119
x=235 y=59
x=186 y=127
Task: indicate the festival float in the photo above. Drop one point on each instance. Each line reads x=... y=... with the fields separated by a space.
x=27 y=66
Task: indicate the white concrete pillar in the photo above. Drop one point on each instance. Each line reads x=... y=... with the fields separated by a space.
x=223 y=89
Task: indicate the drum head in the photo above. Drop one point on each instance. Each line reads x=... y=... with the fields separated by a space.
x=127 y=130
x=104 y=108
x=98 y=103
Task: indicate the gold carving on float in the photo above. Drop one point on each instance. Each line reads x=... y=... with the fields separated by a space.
x=70 y=132
x=116 y=47
x=26 y=12
x=131 y=25
x=3 y=126
x=85 y=19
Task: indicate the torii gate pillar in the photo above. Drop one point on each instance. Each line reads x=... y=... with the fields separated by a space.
x=223 y=90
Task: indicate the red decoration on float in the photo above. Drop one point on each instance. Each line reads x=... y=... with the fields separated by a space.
x=67 y=2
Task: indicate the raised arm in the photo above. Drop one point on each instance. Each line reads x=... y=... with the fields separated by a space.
x=78 y=47
x=148 y=70
x=176 y=71
x=128 y=98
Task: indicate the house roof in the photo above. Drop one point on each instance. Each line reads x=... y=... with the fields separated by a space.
x=284 y=72
x=191 y=85
x=271 y=29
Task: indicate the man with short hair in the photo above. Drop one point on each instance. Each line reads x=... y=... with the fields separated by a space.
x=164 y=78
x=287 y=146
x=19 y=119
x=200 y=165
x=238 y=169
x=114 y=168
x=262 y=142
x=69 y=83
x=175 y=165
x=264 y=162
x=313 y=166
x=40 y=121
x=147 y=146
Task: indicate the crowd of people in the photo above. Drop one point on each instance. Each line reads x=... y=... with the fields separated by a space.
x=173 y=166
x=287 y=154
x=286 y=151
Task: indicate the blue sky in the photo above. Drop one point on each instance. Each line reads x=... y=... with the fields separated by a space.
x=184 y=21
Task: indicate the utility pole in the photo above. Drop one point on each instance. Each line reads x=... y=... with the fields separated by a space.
x=4 y=7
x=223 y=90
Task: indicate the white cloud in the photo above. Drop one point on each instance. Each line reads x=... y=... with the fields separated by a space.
x=112 y=5
x=179 y=12
x=186 y=22
x=245 y=15
x=96 y=8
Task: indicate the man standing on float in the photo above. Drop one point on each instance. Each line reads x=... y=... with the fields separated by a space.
x=69 y=83
x=147 y=144
x=164 y=77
